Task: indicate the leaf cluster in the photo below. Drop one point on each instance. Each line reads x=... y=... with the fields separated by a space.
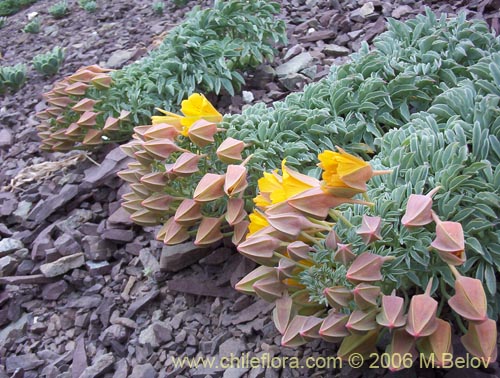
x=424 y=102
x=12 y=77
x=10 y=7
x=59 y=9
x=49 y=63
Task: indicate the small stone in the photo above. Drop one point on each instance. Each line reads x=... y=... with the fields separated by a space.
x=95 y=248
x=114 y=332
x=176 y=257
x=80 y=362
x=181 y=336
x=144 y=371
x=63 y=265
x=5 y=138
x=119 y=217
x=98 y=268
x=23 y=209
x=8 y=265
x=28 y=361
x=355 y=34
x=140 y=303
x=119 y=58
x=66 y=245
x=293 y=51
x=295 y=64
x=248 y=97
x=86 y=302
x=118 y=235
x=121 y=369
x=149 y=262
x=336 y=50
x=318 y=36
x=292 y=81
x=101 y=365
x=401 y=11
x=10 y=245
x=231 y=347
x=51 y=204
x=53 y=291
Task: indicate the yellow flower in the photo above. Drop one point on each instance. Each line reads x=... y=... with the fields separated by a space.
x=344 y=174
x=294 y=182
x=196 y=107
x=257 y=222
x=276 y=189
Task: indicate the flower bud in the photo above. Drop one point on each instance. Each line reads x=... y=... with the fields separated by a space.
x=236 y=180
x=143 y=157
x=161 y=148
x=188 y=212
x=210 y=187
x=155 y=181
x=437 y=345
x=292 y=337
x=338 y=296
x=84 y=105
x=364 y=344
x=186 y=164
x=283 y=312
x=92 y=138
x=344 y=254
x=102 y=81
x=174 y=232
x=260 y=249
x=392 y=312
x=158 y=202
x=140 y=190
x=310 y=329
x=74 y=130
x=361 y=321
x=402 y=344
x=269 y=288
x=449 y=242
x=418 y=211
x=469 y=300
x=292 y=223
x=365 y=296
x=61 y=102
x=87 y=119
x=240 y=231
x=82 y=75
x=162 y=131
x=202 y=132
x=366 y=268
x=285 y=269
x=235 y=211
x=111 y=124
x=370 y=229
x=145 y=218
x=299 y=251
x=331 y=240
x=316 y=203
x=481 y=340
x=230 y=151
x=208 y=231
x=245 y=284
x=333 y=327
x=422 y=319
x=76 y=89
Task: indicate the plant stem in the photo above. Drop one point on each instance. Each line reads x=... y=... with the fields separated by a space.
x=337 y=215
x=303 y=266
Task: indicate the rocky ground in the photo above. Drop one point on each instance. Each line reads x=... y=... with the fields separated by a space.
x=83 y=292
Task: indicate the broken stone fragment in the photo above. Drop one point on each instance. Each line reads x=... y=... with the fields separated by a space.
x=63 y=265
